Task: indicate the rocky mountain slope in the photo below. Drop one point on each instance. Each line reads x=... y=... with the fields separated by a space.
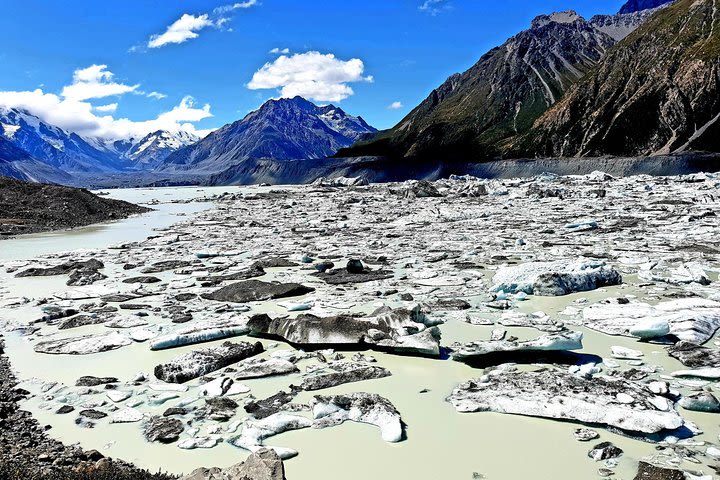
x=657 y=92
x=17 y=163
x=504 y=92
x=282 y=129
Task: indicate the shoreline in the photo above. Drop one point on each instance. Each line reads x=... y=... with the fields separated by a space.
x=35 y=208
x=27 y=452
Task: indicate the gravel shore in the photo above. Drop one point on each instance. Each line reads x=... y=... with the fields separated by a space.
x=27 y=452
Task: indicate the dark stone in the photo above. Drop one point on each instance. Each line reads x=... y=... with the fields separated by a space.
x=163 y=429
x=647 y=471
x=269 y=406
x=65 y=268
x=274 y=262
x=255 y=290
x=89 y=381
x=80 y=321
x=604 y=451
x=343 y=276
x=220 y=409
x=142 y=279
x=184 y=297
x=175 y=411
x=65 y=409
x=345 y=374
x=355 y=266
x=93 y=414
x=166 y=265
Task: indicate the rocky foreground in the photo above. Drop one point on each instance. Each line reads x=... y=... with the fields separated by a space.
x=586 y=299
x=32 y=207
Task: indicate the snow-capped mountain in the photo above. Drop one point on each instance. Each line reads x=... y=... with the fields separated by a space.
x=155 y=147
x=17 y=163
x=52 y=145
x=284 y=129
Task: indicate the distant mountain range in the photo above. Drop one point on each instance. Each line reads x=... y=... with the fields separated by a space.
x=643 y=82
x=284 y=129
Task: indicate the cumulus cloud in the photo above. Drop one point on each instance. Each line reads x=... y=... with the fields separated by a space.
x=313 y=75
x=280 y=51
x=109 y=108
x=95 y=81
x=71 y=111
x=187 y=26
x=395 y=106
x=434 y=7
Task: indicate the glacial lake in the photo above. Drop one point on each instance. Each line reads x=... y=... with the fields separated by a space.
x=440 y=443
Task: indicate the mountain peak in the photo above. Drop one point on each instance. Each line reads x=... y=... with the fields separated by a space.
x=567 y=16
x=281 y=129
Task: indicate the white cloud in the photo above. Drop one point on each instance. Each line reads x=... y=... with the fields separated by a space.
x=187 y=26
x=234 y=6
x=182 y=30
x=95 y=81
x=395 y=106
x=72 y=112
x=156 y=95
x=312 y=75
x=434 y=7
x=109 y=108
x=280 y=51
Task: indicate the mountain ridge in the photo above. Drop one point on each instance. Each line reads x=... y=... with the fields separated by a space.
x=472 y=113
x=658 y=92
x=281 y=129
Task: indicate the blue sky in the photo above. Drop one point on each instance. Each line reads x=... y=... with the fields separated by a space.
x=404 y=51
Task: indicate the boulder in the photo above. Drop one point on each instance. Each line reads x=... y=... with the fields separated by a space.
x=269 y=406
x=263 y=464
x=89 y=381
x=163 y=429
x=604 y=451
x=62 y=269
x=203 y=361
x=555 y=278
x=647 y=471
x=165 y=265
x=255 y=290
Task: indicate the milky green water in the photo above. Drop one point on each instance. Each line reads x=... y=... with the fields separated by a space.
x=441 y=443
